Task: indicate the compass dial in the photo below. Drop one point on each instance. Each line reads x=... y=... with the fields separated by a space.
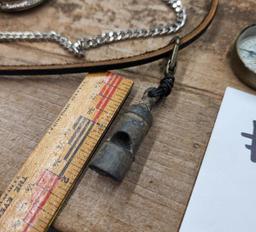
x=247 y=52
x=243 y=56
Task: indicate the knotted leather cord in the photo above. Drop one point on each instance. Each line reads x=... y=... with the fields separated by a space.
x=97 y=66
x=165 y=87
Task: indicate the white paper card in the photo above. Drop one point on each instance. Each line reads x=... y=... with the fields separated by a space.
x=224 y=195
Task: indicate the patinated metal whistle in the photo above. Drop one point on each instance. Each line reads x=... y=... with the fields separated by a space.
x=116 y=155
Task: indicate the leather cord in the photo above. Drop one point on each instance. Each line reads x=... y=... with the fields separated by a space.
x=97 y=66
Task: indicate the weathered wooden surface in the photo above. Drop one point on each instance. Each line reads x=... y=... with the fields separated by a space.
x=154 y=195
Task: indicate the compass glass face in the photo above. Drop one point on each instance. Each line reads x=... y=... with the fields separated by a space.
x=247 y=51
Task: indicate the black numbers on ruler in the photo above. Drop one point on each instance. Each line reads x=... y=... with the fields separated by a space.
x=65 y=179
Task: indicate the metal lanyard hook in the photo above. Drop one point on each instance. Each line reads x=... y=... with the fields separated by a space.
x=172 y=62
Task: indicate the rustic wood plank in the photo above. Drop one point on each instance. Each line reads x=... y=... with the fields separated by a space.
x=154 y=195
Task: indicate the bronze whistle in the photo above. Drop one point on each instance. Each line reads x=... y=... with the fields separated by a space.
x=116 y=155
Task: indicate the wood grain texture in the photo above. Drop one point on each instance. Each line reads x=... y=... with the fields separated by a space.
x=154 y=195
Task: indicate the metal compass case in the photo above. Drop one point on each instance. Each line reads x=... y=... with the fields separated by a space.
x=243 y=58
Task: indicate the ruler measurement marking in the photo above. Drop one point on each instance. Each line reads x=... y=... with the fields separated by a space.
x=39 y=226
x=28 y=225
x=89 y=136
x=53 y=203
x=102 y=111
x=57 y=200
x=62 y=188
x=52 y=193
x=113 y=100
x=45 y=215
x=76 y=166
x=47 y=212
x=80 y=124
x=110 y=99
x=109 y=93
x=78 y=135
x=57 y=196
x=80 y=118
x=80 y=160
x=75 y=150
x=104 y=101
x=44 y=222
x=71 y=173
x=85 y=150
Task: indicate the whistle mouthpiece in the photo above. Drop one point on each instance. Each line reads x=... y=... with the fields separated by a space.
x=114 y=158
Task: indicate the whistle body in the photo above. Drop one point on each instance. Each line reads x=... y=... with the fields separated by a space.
x=116 y=155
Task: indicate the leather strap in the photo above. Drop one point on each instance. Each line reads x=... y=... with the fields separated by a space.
x=96 y=66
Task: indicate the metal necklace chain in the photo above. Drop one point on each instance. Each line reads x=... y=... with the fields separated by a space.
x=81 y=45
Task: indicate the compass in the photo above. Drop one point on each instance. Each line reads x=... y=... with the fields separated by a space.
x=18 y=5
x=244 y=56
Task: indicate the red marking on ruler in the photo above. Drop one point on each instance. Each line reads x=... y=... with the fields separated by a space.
x=107 y=83
x=107 y=92
x=45 y=184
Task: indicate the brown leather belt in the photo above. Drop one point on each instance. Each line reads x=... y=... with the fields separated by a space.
x=96 y=66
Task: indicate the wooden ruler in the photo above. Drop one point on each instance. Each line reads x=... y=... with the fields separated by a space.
x=37 y=192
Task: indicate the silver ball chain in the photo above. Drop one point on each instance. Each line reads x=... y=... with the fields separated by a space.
x=81 y=45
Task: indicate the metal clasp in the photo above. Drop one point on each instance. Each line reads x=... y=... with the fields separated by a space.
x=172 y=62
